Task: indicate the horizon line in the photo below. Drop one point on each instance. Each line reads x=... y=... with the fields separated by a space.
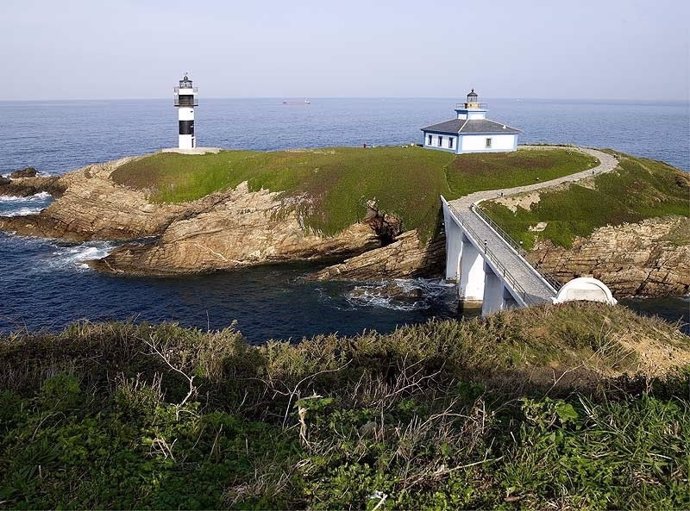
x=453 y=98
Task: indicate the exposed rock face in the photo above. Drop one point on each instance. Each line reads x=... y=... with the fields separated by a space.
x=650 y=258
x=221 y=231
x=404 y=258
x=93 y=207
x=387 y=227
x=26 y=186
x=241 y=229
x=25 y=172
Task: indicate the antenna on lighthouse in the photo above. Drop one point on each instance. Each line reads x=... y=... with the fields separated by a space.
x=185 y=101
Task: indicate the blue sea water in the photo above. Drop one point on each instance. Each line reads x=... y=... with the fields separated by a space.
x=45 y=284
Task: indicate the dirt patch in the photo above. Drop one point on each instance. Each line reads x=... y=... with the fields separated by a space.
x=655 y=357
x=524 y=201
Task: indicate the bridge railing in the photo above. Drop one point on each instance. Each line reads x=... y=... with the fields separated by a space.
x=516 y=246
x=505 y=273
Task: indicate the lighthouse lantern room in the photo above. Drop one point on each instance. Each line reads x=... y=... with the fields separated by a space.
x=185 y=101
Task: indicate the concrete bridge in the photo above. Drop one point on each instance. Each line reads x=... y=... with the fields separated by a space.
x=490 y=268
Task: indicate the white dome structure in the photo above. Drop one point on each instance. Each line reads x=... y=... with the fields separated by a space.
x=585 y=289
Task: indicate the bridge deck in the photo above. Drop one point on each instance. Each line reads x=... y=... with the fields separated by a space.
x=524 y=279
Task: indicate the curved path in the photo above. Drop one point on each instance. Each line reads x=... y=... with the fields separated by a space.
x=529 y=282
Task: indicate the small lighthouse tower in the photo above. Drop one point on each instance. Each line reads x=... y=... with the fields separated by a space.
x=185 y=101
x=471 y=108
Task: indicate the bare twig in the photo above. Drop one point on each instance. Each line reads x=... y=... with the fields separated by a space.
x=295 y=389
x=190 y=379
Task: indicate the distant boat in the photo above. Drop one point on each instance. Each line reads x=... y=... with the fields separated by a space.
x=296 y=102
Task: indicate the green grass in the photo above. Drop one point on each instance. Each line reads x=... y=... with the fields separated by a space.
x=516 y=410
x=406 y=181
x=636 y=190
x=475 y=172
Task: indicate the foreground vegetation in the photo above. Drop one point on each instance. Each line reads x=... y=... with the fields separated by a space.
x=530 y=408
x=636 y=190
x=406 y=181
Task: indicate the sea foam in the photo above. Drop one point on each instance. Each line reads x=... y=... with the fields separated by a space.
x=77 y=255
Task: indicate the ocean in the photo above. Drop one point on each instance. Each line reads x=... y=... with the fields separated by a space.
x=45 y=284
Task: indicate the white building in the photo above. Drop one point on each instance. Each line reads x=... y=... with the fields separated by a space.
x=471 y=131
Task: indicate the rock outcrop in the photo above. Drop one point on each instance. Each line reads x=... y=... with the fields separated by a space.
x=18 y=186
x=406 y=257
x=25 y=172
x=649 y=258
x=92 y=207
x=241 y=229
x=221 y=231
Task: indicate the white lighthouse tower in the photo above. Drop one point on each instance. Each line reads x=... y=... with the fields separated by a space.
x=185 y=101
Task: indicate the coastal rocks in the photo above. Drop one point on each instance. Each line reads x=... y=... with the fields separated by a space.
x=92 y=207
x=649 y=258
x=401 y=294
x=406 y=257
x=25 y=172
x=241 y=229
x=387 y=227
x=31 y=185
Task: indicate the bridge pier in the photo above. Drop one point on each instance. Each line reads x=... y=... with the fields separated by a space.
x=454 y=243
x=493 y=300
x=472 y=275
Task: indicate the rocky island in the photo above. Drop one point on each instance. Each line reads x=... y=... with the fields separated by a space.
x=374 y=213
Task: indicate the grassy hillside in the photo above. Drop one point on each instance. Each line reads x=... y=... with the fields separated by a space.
x=406 y=181
x=526 y=409
x=637 y=189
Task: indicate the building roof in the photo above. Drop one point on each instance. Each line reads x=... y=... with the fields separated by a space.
x=471 y=127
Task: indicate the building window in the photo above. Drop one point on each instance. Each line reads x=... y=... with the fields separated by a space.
x=429 y=139
x=450 y=142
x=488 y=143
x=440 y=141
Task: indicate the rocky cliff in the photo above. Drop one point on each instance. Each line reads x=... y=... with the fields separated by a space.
x=221 y=231
x=239 y=228
x=92 y=207
x=23 y=184
x=406 y=257
x=649 y=258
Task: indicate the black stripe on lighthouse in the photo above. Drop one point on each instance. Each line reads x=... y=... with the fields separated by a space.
x=186 y=127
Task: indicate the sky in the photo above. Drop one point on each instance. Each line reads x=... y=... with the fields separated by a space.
x=551 y=49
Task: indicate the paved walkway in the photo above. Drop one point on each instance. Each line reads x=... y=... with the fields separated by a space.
x=526 y=280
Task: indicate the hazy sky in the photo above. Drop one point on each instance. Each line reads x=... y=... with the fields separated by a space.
x=604 y=49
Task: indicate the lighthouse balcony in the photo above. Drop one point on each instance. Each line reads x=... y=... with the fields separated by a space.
x=462 y=106
x=186 y=99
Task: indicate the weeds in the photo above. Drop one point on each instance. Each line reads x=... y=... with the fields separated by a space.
x=530 y=408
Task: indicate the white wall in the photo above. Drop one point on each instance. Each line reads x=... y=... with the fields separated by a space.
x=470 y=114
x=476 y=115
x=445 y=143
x=185 y=114
x=186 y=142
x=477 y=143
